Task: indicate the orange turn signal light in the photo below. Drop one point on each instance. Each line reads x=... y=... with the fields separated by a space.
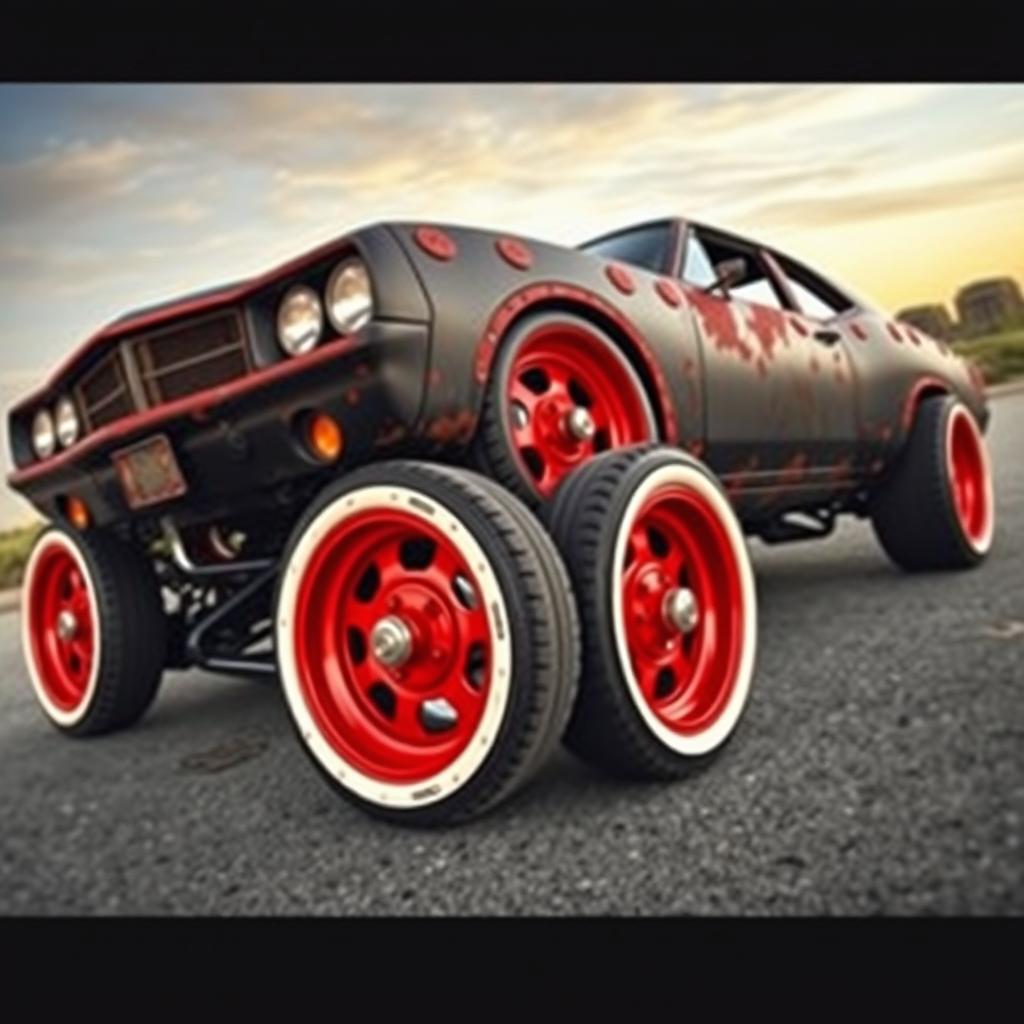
x=77 y=513
x=324 y=437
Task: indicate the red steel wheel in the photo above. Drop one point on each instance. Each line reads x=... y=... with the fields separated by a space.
x=970 y=478
x=61 y=628
x=682 y=608
x=426 y=651
x=562 y=392
x=399 y=690
x=935 y=506
x=93 y=630
x=666 y=591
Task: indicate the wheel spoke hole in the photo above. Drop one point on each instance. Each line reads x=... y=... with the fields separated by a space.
x=579 y=394
x=368 y=584
x=383 y=698
x=536 y=380
x=476 y=665
x=465 y=593
x=534 y=462
x=630 y=553
x=658 y=542
x=417 y=553
x=664 y=683
x=520 y=416
x=601 y=441
x=437 y=715
x=356 y=645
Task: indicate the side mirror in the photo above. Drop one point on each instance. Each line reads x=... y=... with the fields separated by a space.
x=728 y=273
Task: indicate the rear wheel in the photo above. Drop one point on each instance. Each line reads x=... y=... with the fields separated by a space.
x=668 y=610
x=561 y=392
x=937 y=509
x=93 y=631
x=427 y=649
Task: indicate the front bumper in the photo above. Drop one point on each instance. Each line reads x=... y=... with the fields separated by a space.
x=237 y=444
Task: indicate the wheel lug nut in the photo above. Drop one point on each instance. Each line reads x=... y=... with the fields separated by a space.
x=680 y=610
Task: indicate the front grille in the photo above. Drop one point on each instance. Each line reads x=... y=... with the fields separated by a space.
x=180 y=360
x=103 y=393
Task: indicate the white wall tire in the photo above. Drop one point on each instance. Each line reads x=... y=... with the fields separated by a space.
x=476 y=597
x=643 y=531
x=93 y=631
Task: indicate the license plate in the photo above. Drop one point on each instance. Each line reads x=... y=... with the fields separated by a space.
x=149 y=472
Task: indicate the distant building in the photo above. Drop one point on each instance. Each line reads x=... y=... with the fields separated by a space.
x=986 y=307
x=933 y=319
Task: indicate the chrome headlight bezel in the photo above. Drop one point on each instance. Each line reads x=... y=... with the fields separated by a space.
x=44 y=434
x=348 y=296
x=66 y=422
x=302 y=333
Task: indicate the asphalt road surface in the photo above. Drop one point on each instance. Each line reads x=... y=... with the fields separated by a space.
x=879 y=768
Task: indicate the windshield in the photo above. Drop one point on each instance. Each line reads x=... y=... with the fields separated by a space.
x=645 y=246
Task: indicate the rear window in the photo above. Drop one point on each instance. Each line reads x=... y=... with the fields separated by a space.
x=645 y=247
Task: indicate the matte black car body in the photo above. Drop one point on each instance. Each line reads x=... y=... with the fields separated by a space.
x=790 y=412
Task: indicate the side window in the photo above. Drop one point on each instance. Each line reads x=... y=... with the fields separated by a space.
x=816 y=297
x=759 y=290
x=706 y=250
x=698 y=269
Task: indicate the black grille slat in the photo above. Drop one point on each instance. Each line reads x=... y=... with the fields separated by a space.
x=103 y=393
x=151 y=369
x=191 y=357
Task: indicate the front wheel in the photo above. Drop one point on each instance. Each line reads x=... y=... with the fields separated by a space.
x=93 y=631
x=560 y=393
x=668 y=610
x=937 y=509
x=426 y=640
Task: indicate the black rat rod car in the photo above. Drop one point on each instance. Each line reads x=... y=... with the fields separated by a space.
x=273 y=477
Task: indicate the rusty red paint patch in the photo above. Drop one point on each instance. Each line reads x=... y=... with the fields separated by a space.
x=842 y=469
x=769 y=327
x=739 y=478
x=456 y=426
x=514 y=304
x=621 y=278
x=793 y=471
x=718 y=323
x=514 y=253
x=668 y=292
x=435 y=242
x=798 y=326
x=391 y=432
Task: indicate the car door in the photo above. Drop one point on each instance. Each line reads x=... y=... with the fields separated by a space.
x=770 y=383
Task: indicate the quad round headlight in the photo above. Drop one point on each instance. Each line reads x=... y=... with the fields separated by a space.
x=67 y=422
x=349 y=296
x=44 y=435
x=300 y=319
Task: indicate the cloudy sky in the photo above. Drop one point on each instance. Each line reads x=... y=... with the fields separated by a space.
x=116 y=196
